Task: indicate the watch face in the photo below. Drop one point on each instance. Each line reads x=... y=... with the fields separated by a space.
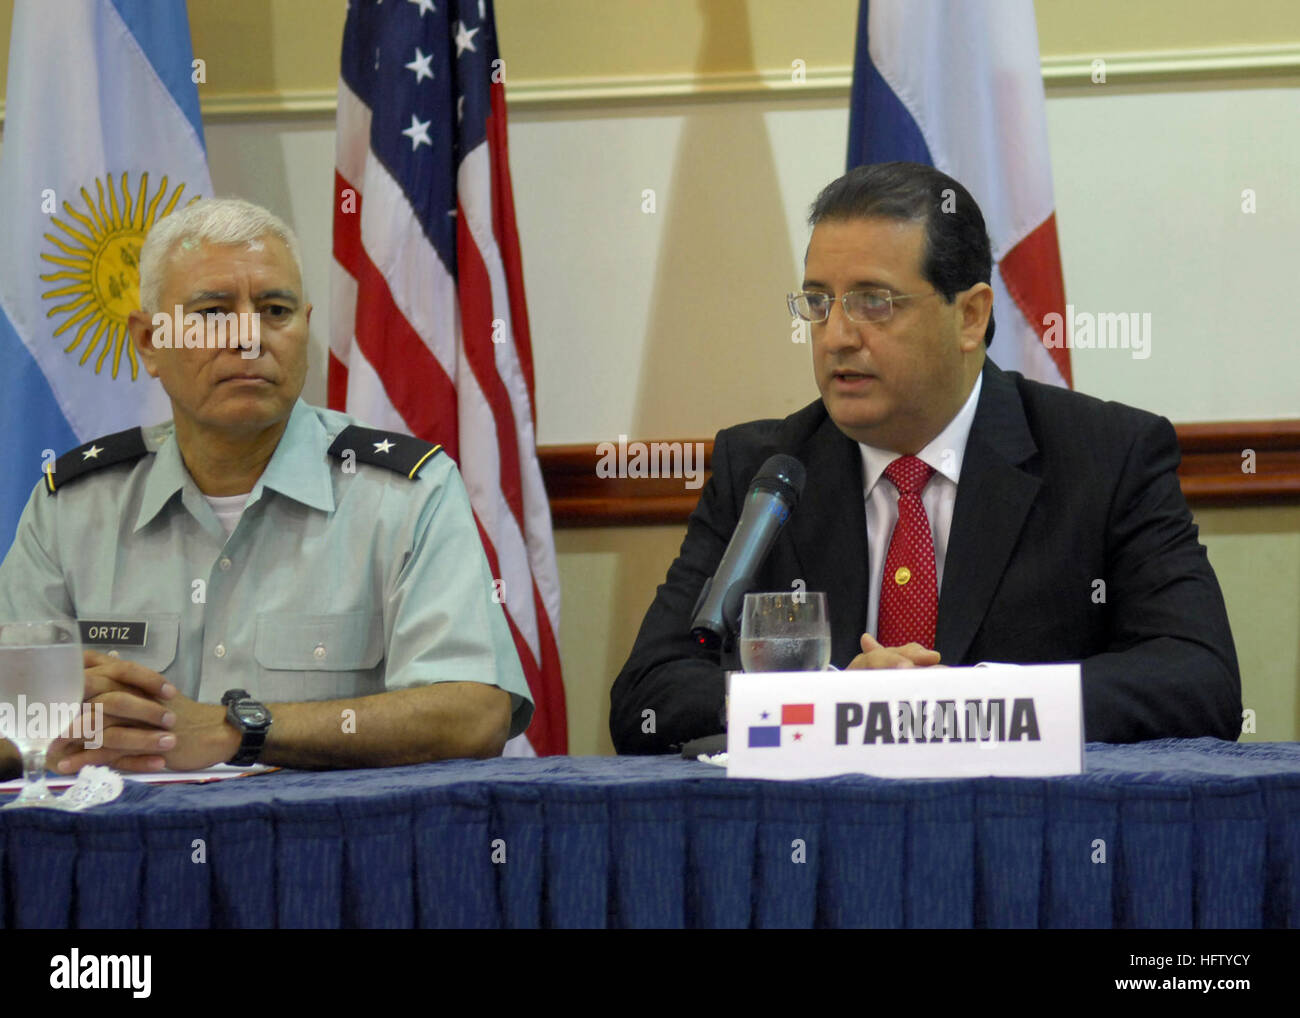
x=253 y=715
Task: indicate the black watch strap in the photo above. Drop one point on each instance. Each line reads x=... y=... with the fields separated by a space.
x=253 y=721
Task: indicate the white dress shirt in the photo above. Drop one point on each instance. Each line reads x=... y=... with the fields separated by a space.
x=944 y=453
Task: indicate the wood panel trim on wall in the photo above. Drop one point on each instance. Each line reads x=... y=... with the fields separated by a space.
x=1070 y=71
x=581 y=498
x=1240 y=462
x=1218 y=469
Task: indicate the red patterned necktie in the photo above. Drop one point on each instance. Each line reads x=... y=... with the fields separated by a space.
x=909 y=600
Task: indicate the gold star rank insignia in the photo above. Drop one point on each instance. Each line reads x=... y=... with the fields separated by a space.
x=108 y=451
x=401 y=453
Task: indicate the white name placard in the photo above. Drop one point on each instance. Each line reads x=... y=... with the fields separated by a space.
x=1003 y=720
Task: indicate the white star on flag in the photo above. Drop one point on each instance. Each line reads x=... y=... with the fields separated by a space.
x=383 y=446
x=420 y=65
x=418 y=132
x=426 y=6
x=91 y=453
x=464 y=38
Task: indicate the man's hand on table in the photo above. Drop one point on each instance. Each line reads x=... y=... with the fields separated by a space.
x=909 y=655
x=147 y=723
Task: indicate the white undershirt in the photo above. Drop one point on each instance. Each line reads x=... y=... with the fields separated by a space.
x=945 y=454
x=228 y=509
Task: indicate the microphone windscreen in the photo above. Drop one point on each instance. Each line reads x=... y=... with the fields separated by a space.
x=782 y=475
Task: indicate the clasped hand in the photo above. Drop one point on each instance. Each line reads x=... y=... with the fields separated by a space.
x=909 y=655
x=146 y=724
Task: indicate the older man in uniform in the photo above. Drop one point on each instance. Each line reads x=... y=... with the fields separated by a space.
x=259 y=579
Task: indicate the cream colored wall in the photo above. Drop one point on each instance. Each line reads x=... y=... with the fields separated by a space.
x=275 y=47
x=682 y=309
x=1256 y=554
x=670 y=325
x=609 y=576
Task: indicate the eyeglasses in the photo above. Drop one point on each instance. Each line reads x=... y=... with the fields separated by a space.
x=859 y=305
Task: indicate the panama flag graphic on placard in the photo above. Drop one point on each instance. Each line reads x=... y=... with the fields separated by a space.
x=792 y=715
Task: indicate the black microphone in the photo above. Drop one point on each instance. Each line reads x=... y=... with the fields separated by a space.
x=773 y=494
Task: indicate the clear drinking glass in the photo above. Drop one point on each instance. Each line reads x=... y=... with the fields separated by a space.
x=41 y=686
x=785 y=632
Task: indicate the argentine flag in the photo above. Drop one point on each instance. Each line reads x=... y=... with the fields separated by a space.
x=959 y=86
x=102 y=137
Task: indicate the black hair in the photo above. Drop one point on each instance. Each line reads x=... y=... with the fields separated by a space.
x=957 y=252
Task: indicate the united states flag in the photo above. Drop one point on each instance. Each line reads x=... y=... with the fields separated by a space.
x=429 y=328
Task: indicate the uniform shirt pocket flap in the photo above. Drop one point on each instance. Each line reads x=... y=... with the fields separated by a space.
x=352 y=641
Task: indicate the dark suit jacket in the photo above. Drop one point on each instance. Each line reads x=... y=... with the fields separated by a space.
x=1057 y=490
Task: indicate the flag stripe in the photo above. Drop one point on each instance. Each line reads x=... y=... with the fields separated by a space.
x=553 y=725
x=548 y=731
x=477 y=313
x=509 y=355
x=35 y=423
x=1032 y=273
x=337 y=383
x=162 y=31
x=413 y=379
x=507 y=234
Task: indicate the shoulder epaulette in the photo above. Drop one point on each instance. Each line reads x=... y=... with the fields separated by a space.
x=108 y=451
x=404 y=453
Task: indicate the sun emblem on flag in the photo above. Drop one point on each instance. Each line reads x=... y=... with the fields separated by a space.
x=98 y=259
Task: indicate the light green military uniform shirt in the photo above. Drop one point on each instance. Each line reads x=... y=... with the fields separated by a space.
x=341 y=579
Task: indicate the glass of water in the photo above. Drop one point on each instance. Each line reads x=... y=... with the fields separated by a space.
x=785 y=632
x=41 y=685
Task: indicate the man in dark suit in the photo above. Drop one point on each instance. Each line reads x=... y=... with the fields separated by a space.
x=1036 y=525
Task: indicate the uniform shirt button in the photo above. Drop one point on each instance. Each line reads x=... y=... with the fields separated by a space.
x=219 y=650
x=319 y=652
x=224 y=563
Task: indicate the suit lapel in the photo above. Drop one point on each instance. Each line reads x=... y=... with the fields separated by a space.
x=828 y=530
x=993 y=500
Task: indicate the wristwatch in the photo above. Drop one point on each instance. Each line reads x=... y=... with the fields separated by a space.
x=253 y=721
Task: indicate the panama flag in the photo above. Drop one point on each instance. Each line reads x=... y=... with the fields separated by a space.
x=769 y=735
x=958 y=86
x=102 y=138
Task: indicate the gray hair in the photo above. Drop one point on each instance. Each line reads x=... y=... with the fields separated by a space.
x=215 y=220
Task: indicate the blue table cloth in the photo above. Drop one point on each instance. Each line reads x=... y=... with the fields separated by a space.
x=1171 y=833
